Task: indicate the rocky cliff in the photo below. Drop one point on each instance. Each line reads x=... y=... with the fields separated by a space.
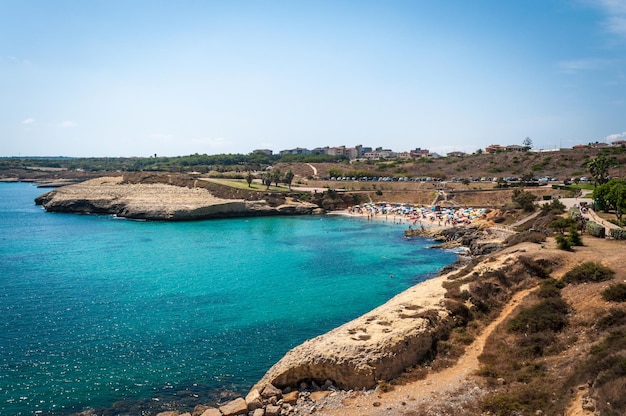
x=377 y=346
x=160 y=201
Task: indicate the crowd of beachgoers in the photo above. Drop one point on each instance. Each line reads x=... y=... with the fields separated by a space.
x=424 y=216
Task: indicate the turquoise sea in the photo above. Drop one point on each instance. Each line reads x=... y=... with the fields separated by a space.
x=130 y=317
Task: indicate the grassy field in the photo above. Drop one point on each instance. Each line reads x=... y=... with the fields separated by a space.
x=242 y=184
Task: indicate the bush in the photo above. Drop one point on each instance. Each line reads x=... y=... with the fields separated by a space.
x=550 y=288
x=563 y=243
x=523 y=199
x=530 y=236
x=595 y=229
x=555 y=206
x=615 y=293
x=618 y=233
x=588 y=272
x=574 y=237
x=615 y=318
x=548 y=315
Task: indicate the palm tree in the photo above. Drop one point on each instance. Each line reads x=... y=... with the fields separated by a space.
x=288 y=178
x=599 y=169
x=276 y=176
x=249 y=179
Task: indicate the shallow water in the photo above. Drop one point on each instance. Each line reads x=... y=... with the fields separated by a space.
x=103 y=312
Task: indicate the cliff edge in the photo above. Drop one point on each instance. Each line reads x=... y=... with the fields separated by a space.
x=160 y=201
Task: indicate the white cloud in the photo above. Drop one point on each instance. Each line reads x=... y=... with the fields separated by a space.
x=68 y=124
x=615 y=12
x=28 y=121
x=578 y=65
x=616 y=136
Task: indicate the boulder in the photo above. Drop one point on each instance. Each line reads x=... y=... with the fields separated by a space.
x=270 y=391
x=199 y=410
x=211 y=411
x=254 y=400
x=271 y=410
x=359 y=353
x=234 y=407
x=316 y=396
x=291 y=397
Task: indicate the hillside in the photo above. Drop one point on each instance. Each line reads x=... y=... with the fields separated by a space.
x=576 y=369
x=563 y=164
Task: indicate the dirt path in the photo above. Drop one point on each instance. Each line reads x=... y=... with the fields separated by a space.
x=451 y=382
x=314 y=169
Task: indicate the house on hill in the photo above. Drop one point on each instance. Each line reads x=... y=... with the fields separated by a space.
x=517 y=148
x=494 y=148
x=456 y=153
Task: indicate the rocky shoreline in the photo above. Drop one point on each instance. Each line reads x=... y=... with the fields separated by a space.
x=375 y=348
x=162 y=201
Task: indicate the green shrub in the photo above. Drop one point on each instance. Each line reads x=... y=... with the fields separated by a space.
x=615 y=293
x=574 y=237
x=588 y=272
x=595 y=229
x=530 y=236
x=548 y=315
x=550 y=288
x=563 y=242
x=618 y=233
x=615 y=318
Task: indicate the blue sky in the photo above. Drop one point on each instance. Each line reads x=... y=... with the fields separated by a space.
x=135 y=78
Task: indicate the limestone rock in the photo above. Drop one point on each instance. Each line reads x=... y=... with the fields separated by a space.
x=271 y=410
x=291 y=397
x=359 y=353
x=254 y=400
x=316 y=396
x=158 y=201
x=234 y=407
x=211 y=411
x=270 y=391
x=199 y=410
x=259 y=412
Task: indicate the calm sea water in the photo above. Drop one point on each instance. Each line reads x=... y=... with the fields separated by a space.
x=99 y=312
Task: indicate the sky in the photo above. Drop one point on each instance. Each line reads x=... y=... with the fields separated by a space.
x=173 y=78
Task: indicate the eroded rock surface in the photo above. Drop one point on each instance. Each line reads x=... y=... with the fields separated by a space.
x=366 y=350
x=158 y=201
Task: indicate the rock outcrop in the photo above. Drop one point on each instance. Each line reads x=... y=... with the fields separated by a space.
x=367 y=350
x=159 y=201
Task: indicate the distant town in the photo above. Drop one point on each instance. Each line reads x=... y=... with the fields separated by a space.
x=362 y=152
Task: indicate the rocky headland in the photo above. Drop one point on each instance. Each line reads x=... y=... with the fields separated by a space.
x=173 y=199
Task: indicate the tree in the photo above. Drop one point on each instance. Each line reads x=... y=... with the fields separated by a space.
x=612 y=196
x=528 y=142
x=267 y=179
x=524 y=199
x=276 y=176
x=289 y=178
x=561 y=224
x=249 y=179
x=599 y=169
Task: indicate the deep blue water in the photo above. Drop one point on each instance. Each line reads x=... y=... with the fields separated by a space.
x=104 y=312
